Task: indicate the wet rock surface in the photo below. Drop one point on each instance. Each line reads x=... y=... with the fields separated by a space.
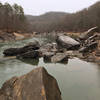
x=35 y=85
x=23 y=50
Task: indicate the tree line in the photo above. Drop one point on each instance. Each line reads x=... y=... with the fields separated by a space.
x=12 y=18
x=82 y=20
x=79 y=21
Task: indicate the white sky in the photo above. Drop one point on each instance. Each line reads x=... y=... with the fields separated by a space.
x=37 y=7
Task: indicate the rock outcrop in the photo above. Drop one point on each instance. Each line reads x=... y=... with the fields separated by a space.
x=36 y=85
x=23 y=50
x=67 y=42
x=64 y=48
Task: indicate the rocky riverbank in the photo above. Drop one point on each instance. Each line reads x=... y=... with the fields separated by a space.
x=86 y=46
x=12 y=36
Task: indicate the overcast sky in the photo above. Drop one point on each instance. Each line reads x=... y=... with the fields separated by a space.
x=37 y=7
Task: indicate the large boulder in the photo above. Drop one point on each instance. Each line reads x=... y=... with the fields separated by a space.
x=17 y=51
x=36 y=85
x=67 y=42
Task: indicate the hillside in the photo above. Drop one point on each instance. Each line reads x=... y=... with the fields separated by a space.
x=46 y=21
x=61 y=21
x=49 y=16
x=82 y=20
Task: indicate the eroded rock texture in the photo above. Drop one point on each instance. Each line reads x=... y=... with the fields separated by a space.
x=36 y=85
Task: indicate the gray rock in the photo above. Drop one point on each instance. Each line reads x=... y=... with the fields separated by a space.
x=59 y=57
x=67 y=42
x=36 y=85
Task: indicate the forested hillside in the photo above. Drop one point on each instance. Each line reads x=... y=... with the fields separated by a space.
x=46 y=22
x=58 y=21
x=82 y=20
x=12 y=18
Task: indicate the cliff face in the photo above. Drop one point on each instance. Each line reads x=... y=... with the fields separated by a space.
x=36 y=85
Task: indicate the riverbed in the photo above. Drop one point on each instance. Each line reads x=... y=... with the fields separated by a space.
x=78 y=80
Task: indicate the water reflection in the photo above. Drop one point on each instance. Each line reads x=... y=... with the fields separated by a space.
x=49 y=61
x=77 y=80
x=30 y=61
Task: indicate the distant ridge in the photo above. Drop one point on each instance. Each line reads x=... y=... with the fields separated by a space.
x=49 y=16
x=62 y=21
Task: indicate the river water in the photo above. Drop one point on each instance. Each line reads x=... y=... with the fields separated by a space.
x=78 y=80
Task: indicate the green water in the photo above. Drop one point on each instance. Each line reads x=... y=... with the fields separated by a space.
x=78 y=80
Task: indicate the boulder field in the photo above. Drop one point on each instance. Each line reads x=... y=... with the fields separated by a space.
x=82 y=47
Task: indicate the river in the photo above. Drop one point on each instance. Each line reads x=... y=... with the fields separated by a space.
x=78 y=80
